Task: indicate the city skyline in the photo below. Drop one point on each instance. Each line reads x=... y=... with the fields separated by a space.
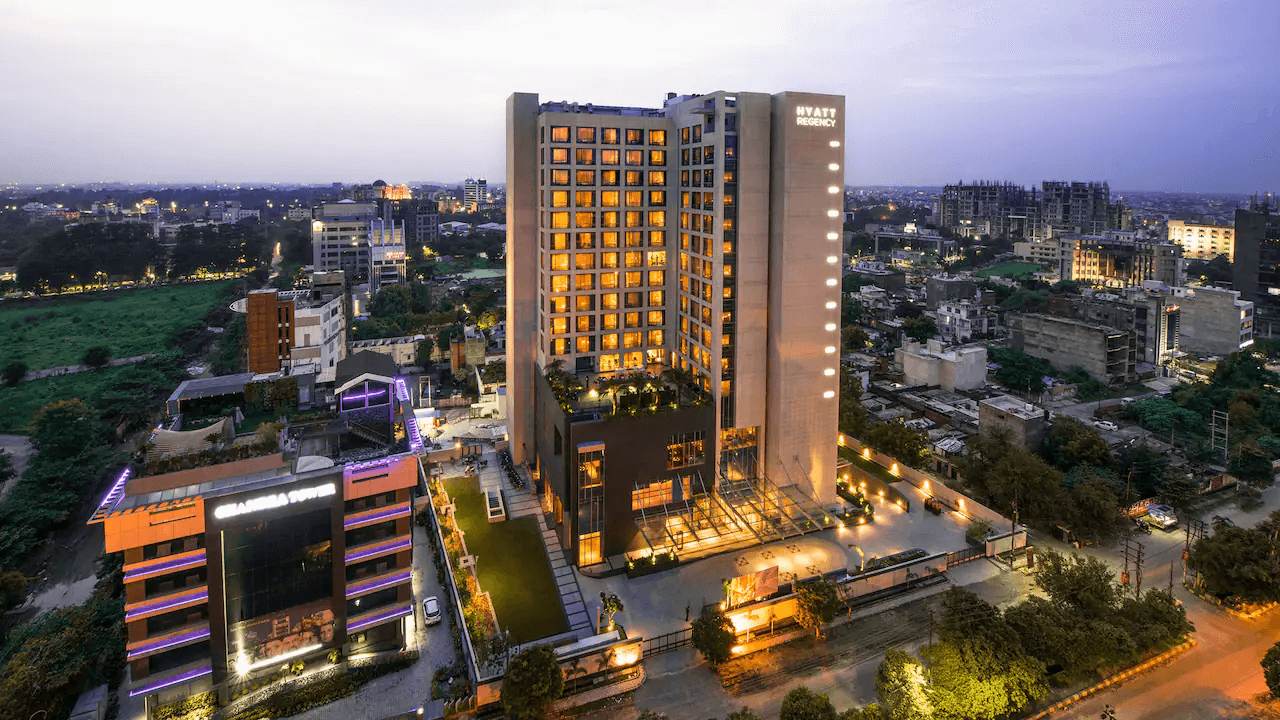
x=1131 y=93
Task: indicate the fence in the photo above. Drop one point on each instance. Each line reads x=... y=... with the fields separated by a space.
x=667 y=643
x=963 y=556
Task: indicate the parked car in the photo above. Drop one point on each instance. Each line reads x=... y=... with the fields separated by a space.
x=431 y=610
x=1162 y=516
x=1105 y=425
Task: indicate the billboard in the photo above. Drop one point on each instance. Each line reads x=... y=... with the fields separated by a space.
x=753 y=586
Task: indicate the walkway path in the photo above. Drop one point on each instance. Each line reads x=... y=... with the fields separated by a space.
x=73 y=369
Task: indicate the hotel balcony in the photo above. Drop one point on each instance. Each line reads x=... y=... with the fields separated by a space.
x=184 y=598
x=171 y=640
x=378 y=548
x=164 y=565
x=374 y=583
x=375 y=515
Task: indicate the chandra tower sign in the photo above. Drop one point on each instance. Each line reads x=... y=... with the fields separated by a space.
x=268 y=502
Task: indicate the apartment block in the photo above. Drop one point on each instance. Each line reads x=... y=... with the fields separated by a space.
x=1116 y=260
x=961 y=320
x=1012 y=211
x=1025 y=422
x=696 y=240
x=1202 y=242
x=1107 y=354
x=352 y=237
x=1215 y=321
x=293 y=328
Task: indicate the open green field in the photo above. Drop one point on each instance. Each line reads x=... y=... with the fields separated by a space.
x=512 y=565
x=1015 y=270
x=137 y=322
x=18 y=404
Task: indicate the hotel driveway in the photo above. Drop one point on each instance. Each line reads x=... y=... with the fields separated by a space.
x=655 y=604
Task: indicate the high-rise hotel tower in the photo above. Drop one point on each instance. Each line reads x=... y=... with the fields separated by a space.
x=673 y=305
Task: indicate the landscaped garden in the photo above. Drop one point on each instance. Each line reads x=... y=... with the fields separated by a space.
x=137 y=322
x=511 y=564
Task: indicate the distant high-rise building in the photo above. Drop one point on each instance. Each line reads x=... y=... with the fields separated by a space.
x=1018 y=213
x=1256 y=266
x=475 y=192
x=644 y=244
x=352 y=237
x=421 y=222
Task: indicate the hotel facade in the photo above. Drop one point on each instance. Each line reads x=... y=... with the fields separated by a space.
x=700 y=240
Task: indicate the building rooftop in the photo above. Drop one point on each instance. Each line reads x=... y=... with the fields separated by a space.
x=211 y=386
x=1015 y=407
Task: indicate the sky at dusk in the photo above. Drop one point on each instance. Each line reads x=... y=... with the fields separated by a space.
x=1168 y=95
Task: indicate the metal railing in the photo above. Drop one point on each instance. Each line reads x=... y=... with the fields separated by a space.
x=666 y=643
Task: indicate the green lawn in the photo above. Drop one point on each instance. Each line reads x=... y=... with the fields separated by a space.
x=512 y=565
x=130 y=323
x=867 y=466
x=1015 y=270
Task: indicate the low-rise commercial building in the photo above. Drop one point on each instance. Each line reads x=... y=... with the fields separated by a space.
x=1214 y=321
x=961 y=321
x=1107 y=354
x=952 y=369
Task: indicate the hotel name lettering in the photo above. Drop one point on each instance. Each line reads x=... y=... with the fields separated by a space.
x=815 y=116
x=268 y=502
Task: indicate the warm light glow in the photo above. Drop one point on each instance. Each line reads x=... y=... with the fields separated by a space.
x=831 y=304
x=831 y=282
x=833 y=189
x=622 y=657
x=829 y=372
x=829 y=394
x=830 y=327
x=866 y=453
x=738 y=649
x=832 y=259
x=833 y=166
x=833 y=213
x=830 y=349
x=894 y=468
x=833 y=236
x=835 y=143
x=926 y=486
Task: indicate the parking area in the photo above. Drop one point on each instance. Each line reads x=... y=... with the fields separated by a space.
x=663 y=602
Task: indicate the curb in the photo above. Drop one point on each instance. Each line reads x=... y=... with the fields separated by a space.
x=1114 y=680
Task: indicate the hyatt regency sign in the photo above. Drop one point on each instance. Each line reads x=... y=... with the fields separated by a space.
x=815 y=116
x=268 y=502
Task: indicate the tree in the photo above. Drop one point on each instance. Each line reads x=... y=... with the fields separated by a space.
x=1070 y=442
x=804 y=704
x=972 y=679
x=1237 y=562
x=713 y=636
x=611 y=604
x=919 y=328
x=13 y=372
x=743 y=714
x=533 y=681
x=965 y=616
x=1082 y=584
x=866 y=712
x=904 y=444
x=853 y=416
x=853 y=338
x=902 y=687
x=1271 y=669
x=816 y=605
x=1094 y=510
x=97 y=356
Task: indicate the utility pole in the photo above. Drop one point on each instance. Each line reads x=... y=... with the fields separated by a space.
x=1124 y=576
x=1137 y=571
x=930 y=626
x=1013 y=529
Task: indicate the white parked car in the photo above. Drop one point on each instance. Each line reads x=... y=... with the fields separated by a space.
x=1105 y=425
x=431 y=610
x=1162 y=516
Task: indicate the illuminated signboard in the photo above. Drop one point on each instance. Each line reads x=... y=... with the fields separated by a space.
x=815 y=116
x=267 y=502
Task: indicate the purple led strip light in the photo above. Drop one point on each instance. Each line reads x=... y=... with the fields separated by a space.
x=175 y=680
x=167 y=604
x=410 y=421
x=370 y=552
x=375 y=584
x=388 y=514
x=165 y=644
x=354 y=468
x=116 y=490
x=167 y=566
x=380 y=617
x=365 y=396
